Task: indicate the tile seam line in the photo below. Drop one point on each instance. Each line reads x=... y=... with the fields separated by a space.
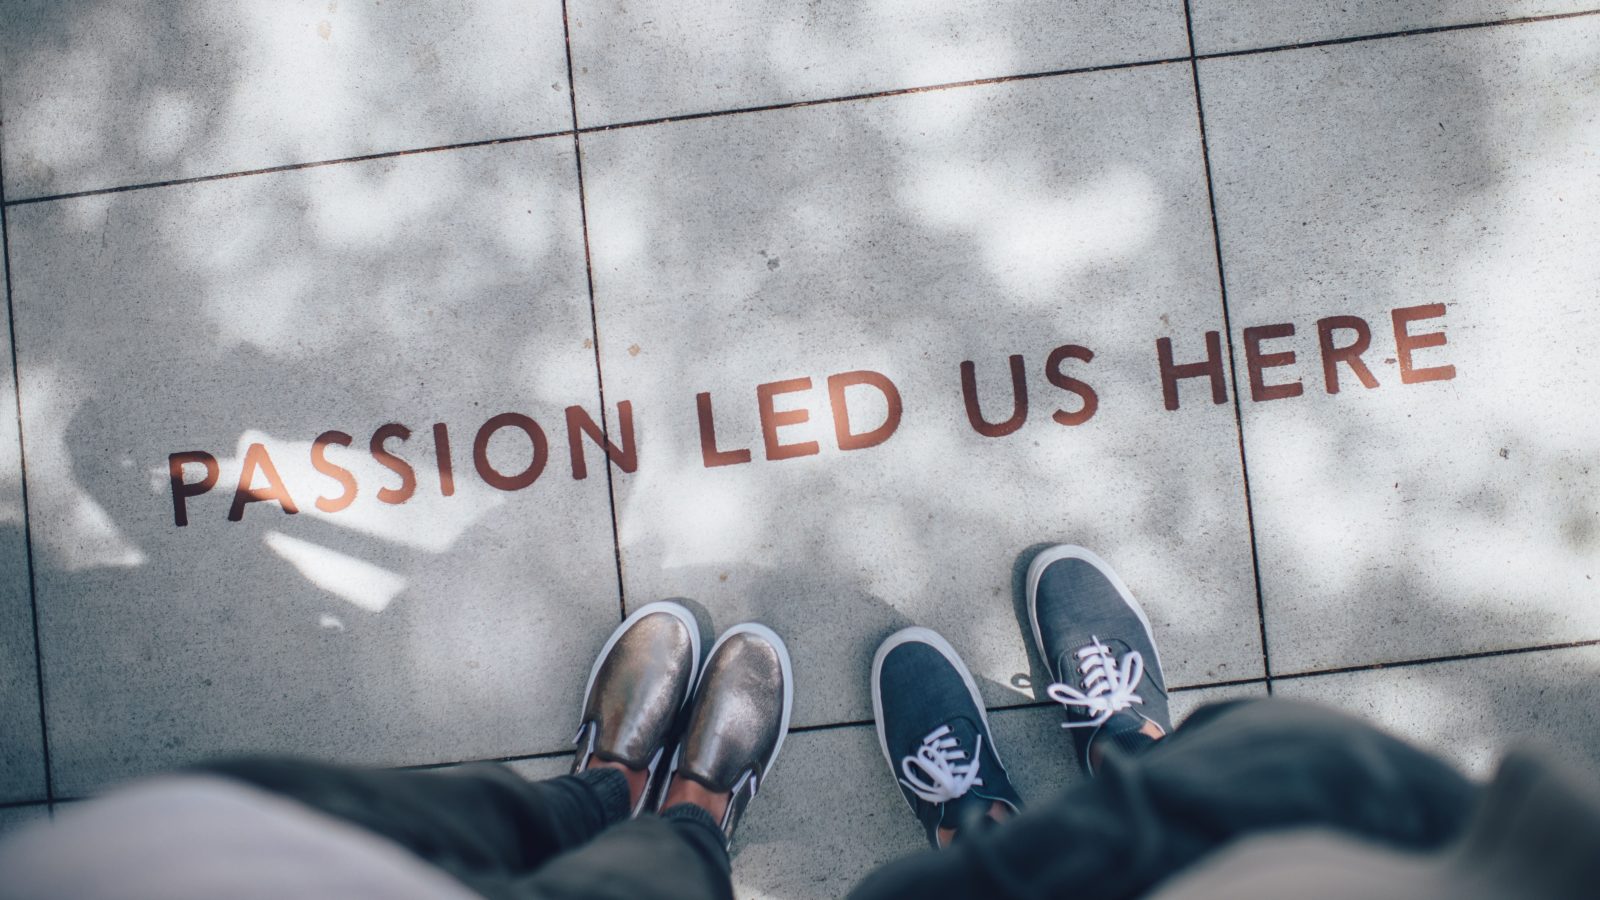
x=821 y=726
x=1042 y=704
x=288 y=167
x=1032 y=704
x=1292 y=676
x=417 y=767
x=1080 y=70
x=888 y=92
x=27 y=519
x=1436 y=660
x=594 y=318
x=522 y=757
x=1389 y=35
x=23 y=804
x=556 y=754
x=797 y=104
x=592 y=129
x=1233 y=364
x=1038 y=704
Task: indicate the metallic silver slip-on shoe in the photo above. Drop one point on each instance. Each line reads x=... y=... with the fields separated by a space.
x=639 y=684
x=740 y=717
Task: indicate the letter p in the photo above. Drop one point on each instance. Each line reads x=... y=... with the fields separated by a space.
x=181 y=490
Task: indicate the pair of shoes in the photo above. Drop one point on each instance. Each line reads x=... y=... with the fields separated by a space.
x=648 y=675
x=1097 y=644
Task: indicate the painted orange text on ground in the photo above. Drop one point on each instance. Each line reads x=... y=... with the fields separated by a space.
x=1342 y=343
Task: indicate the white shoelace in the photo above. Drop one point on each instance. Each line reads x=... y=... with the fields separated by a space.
x=936 y=772
x=1108 y=687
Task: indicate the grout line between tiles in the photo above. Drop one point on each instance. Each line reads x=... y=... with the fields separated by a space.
x=1457 y=657
x=1387 y=35
x=24 y=804
x=1288 y=676
x=420 y=767
x=27 y=520
x=734 y=111
x=287 y=167
x=822 y=726
x=891 y=92
x=1042 y=704
x=873 y=95
x=1031 y=704
x=555 y=754
x=526 y=757
x=1233 y=366
x=594 y=318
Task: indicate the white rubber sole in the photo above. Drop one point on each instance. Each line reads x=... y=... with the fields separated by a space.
x=667 y=606
x=917 y=633
x=1069 y=551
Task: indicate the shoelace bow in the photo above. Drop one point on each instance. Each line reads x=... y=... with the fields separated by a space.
x=943 y=776
x=1108 y=686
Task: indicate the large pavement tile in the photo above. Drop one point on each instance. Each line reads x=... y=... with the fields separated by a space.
x=904 y=236
x=650 y=58
x=1472 y=711
x=832 y=812
x=1455 y=171
x=1224 y=25
x=100 y=93
x=21 y=746
x=15 y=817
x=441 y=288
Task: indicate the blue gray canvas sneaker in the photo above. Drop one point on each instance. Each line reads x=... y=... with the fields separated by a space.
x=935 y=734
x=1097 y=643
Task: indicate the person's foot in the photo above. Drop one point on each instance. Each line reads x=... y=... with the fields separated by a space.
x=1101 y=653
x=637 y=688
x=935 y=734
x=736 y=726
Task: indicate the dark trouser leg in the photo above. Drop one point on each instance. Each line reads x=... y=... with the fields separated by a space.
x=484 y=824
x=678 y=855
x=1233 y=769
